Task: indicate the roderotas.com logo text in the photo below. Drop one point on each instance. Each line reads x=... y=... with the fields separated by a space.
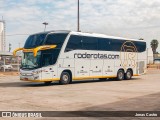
x=96 y=56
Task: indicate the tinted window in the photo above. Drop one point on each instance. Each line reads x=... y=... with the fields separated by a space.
x=56 y=39
x=74 y=43
x=141 y=46
x=89 y=43
x=35 y=40
x=104 y=44
x=116 y=44
x=130 y=46
x=49 y=57
x=108 y=44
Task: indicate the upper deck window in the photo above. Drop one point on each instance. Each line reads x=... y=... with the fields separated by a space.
x=56 y=39
x=76 y=42
x=89 y=43
x=82 y=43
x=35 y=40
x=141 y=46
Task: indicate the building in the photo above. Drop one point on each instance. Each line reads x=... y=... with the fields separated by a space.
x=150 y=57
x=2 y=36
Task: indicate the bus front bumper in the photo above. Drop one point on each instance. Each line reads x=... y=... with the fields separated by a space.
x=30 y=79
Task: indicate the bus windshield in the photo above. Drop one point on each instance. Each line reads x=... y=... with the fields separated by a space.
x=43 y=57
x=35 y=40
x=29 y=61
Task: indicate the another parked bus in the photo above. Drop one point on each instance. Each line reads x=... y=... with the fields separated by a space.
x=65 y=56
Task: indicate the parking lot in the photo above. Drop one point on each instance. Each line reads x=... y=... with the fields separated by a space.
x=140 y=93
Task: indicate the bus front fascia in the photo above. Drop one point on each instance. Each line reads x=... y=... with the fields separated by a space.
x=34 y=50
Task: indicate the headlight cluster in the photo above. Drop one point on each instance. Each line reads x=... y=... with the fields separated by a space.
x=26 y=74
x=30 y=74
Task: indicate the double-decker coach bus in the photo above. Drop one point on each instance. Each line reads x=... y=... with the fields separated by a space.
x=65 y=56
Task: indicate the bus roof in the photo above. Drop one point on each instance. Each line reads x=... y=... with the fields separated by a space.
x=104 y=36
x=88 y=34
x=53 y=31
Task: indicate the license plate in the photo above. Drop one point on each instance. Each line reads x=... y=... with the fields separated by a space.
x=25 y=78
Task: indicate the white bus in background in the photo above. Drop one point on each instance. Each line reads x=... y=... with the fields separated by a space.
x=65 y=56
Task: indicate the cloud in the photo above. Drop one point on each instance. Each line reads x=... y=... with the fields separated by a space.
x=132 y=19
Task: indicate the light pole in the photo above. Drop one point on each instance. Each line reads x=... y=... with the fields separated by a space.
x=10 y=47
x=45 y=24
x=78 y=28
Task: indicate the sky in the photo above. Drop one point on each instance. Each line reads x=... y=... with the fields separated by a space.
x=124 y=18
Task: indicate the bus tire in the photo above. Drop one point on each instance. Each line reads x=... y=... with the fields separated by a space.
x=65 y=78
x=128 y=75
x=48 y=82
x=120 y=75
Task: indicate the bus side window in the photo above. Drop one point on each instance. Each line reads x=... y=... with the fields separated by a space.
x=116 y=44
x=104 y=44
x=56 y=39
x=89 y=43
x=141 y=46
x=74 y=43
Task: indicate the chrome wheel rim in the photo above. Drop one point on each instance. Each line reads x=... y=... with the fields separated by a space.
x=65 y=78
x=120 y=75
x=128 y=75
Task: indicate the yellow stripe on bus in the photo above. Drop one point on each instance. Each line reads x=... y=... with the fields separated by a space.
x=43 y=80
x=93 y=77
x=74 y=78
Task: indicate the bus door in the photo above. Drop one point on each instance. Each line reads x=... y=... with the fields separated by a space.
x=47 y=69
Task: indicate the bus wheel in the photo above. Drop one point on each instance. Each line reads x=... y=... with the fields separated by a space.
x=120 y=75
x=65 y=78
x=47 y=83
x=128 y=75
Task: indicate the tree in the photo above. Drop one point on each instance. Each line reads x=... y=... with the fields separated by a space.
x=154 y=45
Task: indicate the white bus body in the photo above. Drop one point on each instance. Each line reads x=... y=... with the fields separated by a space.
x=87 y=56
